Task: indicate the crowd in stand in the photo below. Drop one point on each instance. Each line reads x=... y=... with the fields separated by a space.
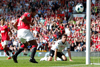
x=52 y=21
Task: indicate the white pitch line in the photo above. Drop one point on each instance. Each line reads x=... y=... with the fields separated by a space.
x=69 y=65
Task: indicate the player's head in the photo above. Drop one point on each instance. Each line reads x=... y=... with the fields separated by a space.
x=33 y=12
x=2 y=21
x=64 y=37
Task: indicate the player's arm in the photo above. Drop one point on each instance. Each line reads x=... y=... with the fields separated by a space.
x=15 y=25
x=10 y=32
x=69 y=53
x=26 y=21
x=55 y=55
x=56 y=50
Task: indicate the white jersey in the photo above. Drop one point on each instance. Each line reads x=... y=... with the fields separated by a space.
x=60 y=46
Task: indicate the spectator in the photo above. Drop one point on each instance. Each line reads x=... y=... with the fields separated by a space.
x=15 y=44
x=52 y=20
x=72 y=47
x=79 y=48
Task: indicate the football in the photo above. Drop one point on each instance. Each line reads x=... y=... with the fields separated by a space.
x=79 y=8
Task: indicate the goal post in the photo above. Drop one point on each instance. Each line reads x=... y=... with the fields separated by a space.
x=88 y=21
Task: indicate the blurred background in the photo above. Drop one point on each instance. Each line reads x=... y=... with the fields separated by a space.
x=54 y=18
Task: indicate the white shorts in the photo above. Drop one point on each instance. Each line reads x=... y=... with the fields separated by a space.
x=25 y=35
x=4 y=42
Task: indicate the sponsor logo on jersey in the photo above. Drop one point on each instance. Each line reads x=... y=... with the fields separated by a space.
x=2 y=31
x=62 y=46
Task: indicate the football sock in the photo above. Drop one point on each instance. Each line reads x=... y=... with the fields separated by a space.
x=7 y=53
x=33 y=52
x=19 y=51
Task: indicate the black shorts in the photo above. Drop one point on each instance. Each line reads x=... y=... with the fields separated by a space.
x=59 y=54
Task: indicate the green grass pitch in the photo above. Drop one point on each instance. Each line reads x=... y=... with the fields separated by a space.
x=24 y=62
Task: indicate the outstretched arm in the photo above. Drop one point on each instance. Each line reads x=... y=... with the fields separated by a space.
x=69 y=53
x=55 y=55
x=14 y=25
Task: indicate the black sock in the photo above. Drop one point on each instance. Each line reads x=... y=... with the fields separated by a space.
x=7 y=53
x=33 y=52
x=10 y=50
x=19 y=51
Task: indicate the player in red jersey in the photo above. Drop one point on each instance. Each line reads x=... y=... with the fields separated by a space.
x=24 y=34
x=5 y=37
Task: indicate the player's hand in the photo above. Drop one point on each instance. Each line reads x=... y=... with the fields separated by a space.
x=32 y=23
x=55 y=60
x=70 y=60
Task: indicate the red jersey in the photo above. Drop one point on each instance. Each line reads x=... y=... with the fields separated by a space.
x=22 y=25
x=4 y=32
x=98 y=46
x=1 y=48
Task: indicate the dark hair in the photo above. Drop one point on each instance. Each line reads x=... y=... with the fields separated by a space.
x=3 y=19
x=64 y=35
x=32 y=9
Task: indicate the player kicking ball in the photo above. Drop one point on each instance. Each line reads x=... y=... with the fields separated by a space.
x=56 y=50
x=25 y=35
x=4 y=30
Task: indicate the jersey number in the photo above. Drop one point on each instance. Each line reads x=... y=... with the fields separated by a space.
x=20 y=23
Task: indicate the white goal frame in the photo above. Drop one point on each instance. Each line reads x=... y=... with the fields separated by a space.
x=88 y=21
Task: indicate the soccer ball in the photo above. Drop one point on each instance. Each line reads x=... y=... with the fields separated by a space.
x=79 y=8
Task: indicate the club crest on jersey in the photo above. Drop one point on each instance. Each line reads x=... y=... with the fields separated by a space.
x=28 y=15
x=3 y=27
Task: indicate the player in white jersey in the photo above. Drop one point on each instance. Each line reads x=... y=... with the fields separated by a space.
x=56 y=50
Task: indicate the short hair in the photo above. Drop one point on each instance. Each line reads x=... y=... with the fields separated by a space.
x=32 y=9
x=3 y=19
x=64 y=35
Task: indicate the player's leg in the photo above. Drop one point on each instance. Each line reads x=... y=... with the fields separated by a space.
x=25 y=51
x=21 y=49
x=18 y=52
x=34 y=47
x=51 y=54
x=50 y=58
x=21 y=36
x=6 y=49
x=62 y=56
x=30 y=39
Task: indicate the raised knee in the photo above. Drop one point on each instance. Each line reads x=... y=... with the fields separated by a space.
x=49 y=59
x=65 y=59
x=4 y=47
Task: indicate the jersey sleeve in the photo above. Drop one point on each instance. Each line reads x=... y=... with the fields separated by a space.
x=17 y=20
x=27 y=15
x=56 y=45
